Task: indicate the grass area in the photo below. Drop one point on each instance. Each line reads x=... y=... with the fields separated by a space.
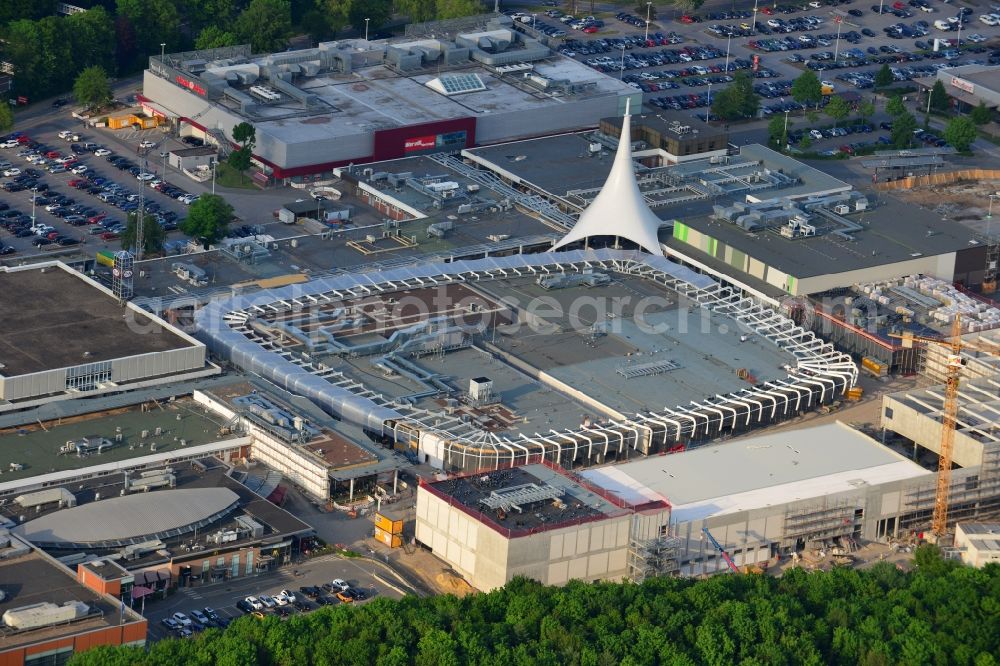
x=227 y=176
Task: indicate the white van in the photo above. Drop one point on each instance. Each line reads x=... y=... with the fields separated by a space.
x=942 y=25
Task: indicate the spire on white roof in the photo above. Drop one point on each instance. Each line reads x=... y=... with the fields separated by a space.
x=619 y=209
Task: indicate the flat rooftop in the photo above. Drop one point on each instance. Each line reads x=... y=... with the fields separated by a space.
x=640 y=323
x=758 y=471
x=208 y=474
x=37 y=449
x=559 y=164
x=34 y=578
x=893 y=232
x=534 y=489
x=55 y=318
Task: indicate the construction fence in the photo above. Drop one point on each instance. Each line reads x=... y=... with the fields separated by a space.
x=940 y=179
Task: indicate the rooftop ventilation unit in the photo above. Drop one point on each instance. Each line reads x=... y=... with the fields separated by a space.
x=44 y=614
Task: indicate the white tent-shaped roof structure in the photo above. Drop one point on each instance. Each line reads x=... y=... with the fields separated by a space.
x=619 y=208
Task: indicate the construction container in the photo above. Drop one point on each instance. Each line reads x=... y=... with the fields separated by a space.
x=854 y=394
x=390 y=540
x=874 y=367
x=106 y=258
x=387 y=524
x=132 y=120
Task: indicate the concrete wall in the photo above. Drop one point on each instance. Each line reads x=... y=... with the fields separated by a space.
x=487 y=559
x=940 y=266
x=142 y=366
x=926 y=432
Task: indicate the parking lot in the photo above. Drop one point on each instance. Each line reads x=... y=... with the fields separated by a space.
x=682 y=60
x=222 y=598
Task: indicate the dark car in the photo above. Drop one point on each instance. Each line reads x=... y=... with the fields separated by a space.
x=59 y=102
x=855 y=12
x=244 y=606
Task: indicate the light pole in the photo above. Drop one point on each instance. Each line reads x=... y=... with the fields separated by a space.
x=649 y=6
x=880 y=3
x=621 y=70
x=366 y=29
x=785 y=135
x=753 y=30
x=729 y=41
x=163 y=51
x=989 y=214
x=534 y=22
x=836 y=49
x=958 y=44
x=708 y=107
x=214 y=163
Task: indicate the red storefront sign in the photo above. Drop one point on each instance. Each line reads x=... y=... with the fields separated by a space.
x=419 y=143
x=190 y=85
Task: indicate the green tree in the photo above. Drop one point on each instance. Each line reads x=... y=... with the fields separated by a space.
x=21 y=49
x=152 y=22
x=737 y=100
x=92 y=87
x=6 y=117
x=806 y=142
x=981 y=114
x=895 y=107
x=777 y=130
x=246 y=135
x=449 y=9
x=265 y=24
x=806 y=89
x=240 y=160
x=378 y=13
x=213 y=37
x=884 y=77
x=960 y=133
x=92 y=36
x=153 y=234
x=417 y=11
x=338 y=13
x=204 y=13
x=903 y=127
x=208 y=218
x=15 y=10
x=837 y=109
x=939 y=97
x=866 y=110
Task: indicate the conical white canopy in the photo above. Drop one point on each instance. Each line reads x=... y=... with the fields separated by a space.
x=619 y=208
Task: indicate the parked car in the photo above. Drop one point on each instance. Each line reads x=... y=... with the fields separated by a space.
x=255 y=603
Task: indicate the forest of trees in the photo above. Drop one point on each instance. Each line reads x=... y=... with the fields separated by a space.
x=49 y=50
x=942 y=613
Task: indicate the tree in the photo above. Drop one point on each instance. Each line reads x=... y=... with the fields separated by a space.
x=153 y=234
x=777 y=131
x=981 y=114
x=895 y=107
x=866 y=110
x=939 y=97
x=737 y=100
x=214 y=37
x=239 y=160
x=92 y=87
x=378 y=12
x=6 y=117
x=417 y=11
x=246 y=135
x=92 y=35
x=884 y=77
x=153 y=22
x=208 y=218
x=449 y=9
x=265 y=24
x=806 y=142
x=837 y=109
x=960 y=133
x=903 y=127
x=806 y=89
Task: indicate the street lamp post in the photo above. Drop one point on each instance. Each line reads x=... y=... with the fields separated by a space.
x=366 y=29
x=621 y=70
x=753 y=30
x=958 y=40
x=163 y=51
x=215 y=162
x=649 y=6
x=729 y=41
x=708 y=107
x=836 y=49
x=880 y=3
x=534 y=21
x=785 y=135
x=989 y=214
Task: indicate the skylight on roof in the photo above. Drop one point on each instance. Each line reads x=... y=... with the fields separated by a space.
x=456 y=84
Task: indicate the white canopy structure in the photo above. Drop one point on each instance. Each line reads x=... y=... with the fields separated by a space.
x=619 y=208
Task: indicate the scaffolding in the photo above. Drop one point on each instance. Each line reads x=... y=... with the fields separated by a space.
x=820 y=523
x=648 y=558
x=517 y=497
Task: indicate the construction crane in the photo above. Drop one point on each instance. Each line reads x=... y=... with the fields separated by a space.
x=718 y=547
x=955 y=346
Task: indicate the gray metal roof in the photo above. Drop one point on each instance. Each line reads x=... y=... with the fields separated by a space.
x=765 y=462
x=130 y=519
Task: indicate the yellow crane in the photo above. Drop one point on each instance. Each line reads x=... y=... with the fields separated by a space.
x=955 y=346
